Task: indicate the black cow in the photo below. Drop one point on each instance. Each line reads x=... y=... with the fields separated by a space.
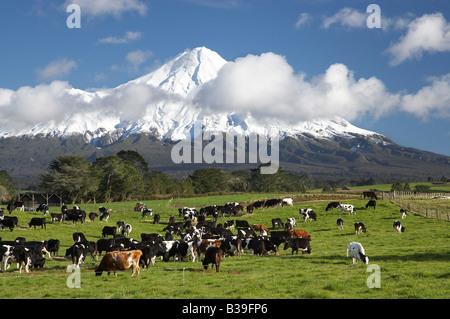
x=109 y=230
x=92 y=216
x=242 y=223
x=340 y=223
x=103 y=244
x=371 y=203
x=213 y=255
x=53 y=246
x=157 y=238
x=258 y=204
x=298 y=244
x=156 y=219
x=250 y=209
x=7 y=222
x=36 y=221
x=272 y=202
x=277 y=222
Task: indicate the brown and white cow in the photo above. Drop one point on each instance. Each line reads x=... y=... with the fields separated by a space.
x=261 y=228
x=119 y=261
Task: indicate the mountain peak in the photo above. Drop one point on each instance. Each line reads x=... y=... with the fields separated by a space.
x=186 y=71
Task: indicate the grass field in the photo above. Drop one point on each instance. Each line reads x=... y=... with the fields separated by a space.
x=413 y=264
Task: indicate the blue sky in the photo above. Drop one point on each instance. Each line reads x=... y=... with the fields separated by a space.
x=120 y=40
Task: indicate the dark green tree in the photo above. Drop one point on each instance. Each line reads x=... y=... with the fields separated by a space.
x=70 y=176
x=7 y=182
x=206 y=180
x=119 y=180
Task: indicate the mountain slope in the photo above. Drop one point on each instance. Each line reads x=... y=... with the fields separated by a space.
x=151 y=113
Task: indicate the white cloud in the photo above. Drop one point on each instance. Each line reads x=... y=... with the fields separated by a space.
x=303 y=19
x=128 y=37
x=267 y=87
x=429 y=33
x=136 y=58
x=347 y=17
x=56 y=69
x=432 y=100
x=109 y=7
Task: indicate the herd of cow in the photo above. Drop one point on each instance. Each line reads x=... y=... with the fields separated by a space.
x=197 y=236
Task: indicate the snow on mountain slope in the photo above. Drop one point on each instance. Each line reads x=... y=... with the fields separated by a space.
x=159 y=103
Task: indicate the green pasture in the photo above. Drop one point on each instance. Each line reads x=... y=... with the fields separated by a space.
x=413 y=264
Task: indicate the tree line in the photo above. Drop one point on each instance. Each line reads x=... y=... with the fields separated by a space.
x=126 y=176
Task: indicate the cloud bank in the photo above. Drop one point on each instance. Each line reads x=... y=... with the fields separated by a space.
x=264 y=87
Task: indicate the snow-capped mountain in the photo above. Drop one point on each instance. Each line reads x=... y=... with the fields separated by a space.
x=159 y=103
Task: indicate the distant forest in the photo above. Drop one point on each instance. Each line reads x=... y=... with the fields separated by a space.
x=126 y=176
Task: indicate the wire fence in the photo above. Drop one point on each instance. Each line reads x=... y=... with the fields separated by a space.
x=422 y=203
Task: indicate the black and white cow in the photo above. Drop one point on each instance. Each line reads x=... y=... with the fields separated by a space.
x=356 y=252
x=403 y=213
x=340 y=223
x=347 y=208
x=360 y=228
x=307 y=214
x=232 y=245
x=332 y=205
x=181 y=249
x=398 y=227
x=42 y=208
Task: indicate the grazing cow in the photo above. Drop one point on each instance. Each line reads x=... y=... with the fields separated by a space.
x=36 y=221
x=156 y=219
x=109 y=230
x=291 y=222
x=261 y=228
x=332 y=205
x=250 y=209
x=277 y=222
x=347 y=208
x=287 y=202
x=53 y=246
x=150 y=251
x=298 y=244
x=23 y=256
x=232 y=245
x=307 y=214
x=242 y=223
x=360 y=228
x=7 y=222
x=75 y=215
x=147 y=212
x=157 y=238
x=279 y=237
x=92 y=216
x=182 y=249
x=104 y=244
x=403 y=212
x=246 y=232
x=229 y=224
x=127 y=230
x=43 y=208
x=372 y=203
x=370 y=195
x=299 y=233
x=57 y=217
x=213 y=256
x=205 y=243
x=258 y=204
x=272 y=202
x=340 y=223
x=356 y=251
x=104 y=214
x=398 y=227
x=119 y=261
x=78 y=252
